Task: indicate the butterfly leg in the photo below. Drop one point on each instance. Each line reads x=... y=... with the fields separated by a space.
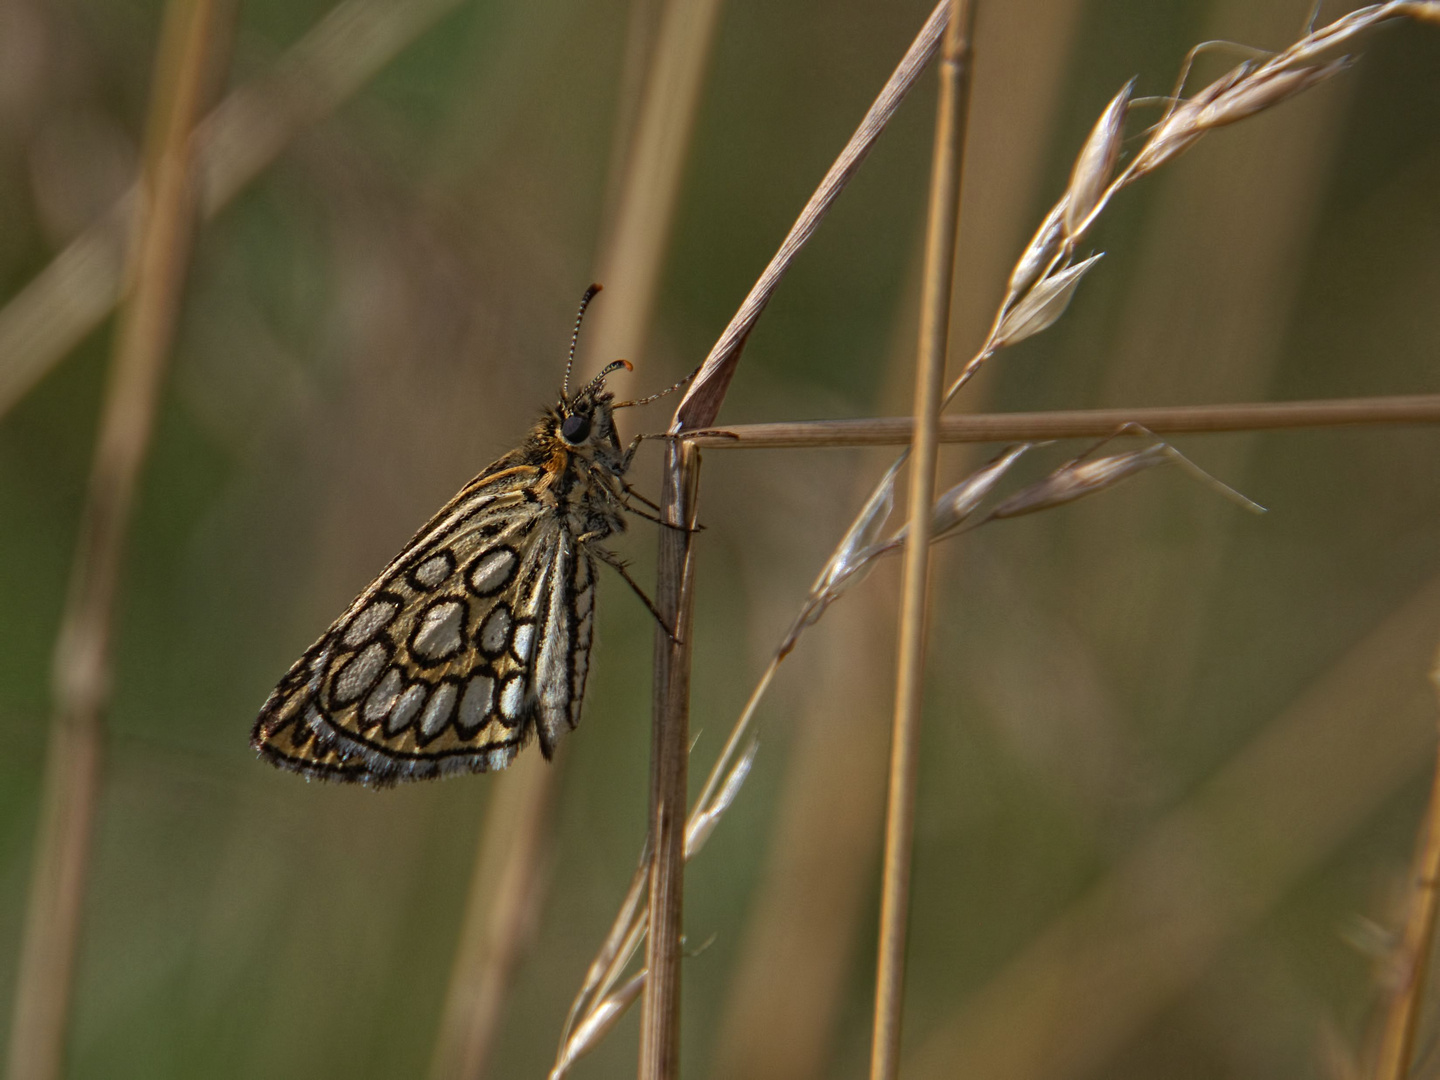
x=635 y=445
x=630 y=491
x=661 y=521
x=627 y=492
x=618 y=563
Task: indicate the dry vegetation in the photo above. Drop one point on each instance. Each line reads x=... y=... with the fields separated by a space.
x=1173 y=757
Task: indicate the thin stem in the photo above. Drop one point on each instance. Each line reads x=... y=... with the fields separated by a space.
x=83 y=649
x=1397 y=1039
x=929 y=385
x=669 y=761
x=1411 y=409
x=645 y=181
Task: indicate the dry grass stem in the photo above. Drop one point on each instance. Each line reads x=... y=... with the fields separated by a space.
x=853 y=558
x=1040 y=285
x=697 y=409
x=1087 y=475
x=934 y=336
x=84 y=647
x=1409 y=409
x=597 y=1024
x=702 y=401
x=669 y=766
x=605 y=969
x=647 y=181
x=1410 y=971
x=237 y=141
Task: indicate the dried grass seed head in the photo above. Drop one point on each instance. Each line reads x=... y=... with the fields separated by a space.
x=1263 y=90
x=1077 y=479
x=1038 y=254
x=1042 y=305
x=1095 y=164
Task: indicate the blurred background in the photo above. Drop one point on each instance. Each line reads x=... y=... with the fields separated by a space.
x=1175 y=755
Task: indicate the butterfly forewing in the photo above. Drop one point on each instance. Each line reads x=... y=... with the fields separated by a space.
x=475 y=638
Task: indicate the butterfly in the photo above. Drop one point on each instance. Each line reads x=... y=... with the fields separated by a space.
x=476 y=637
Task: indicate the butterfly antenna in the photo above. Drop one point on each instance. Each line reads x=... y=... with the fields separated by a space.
x=614 y=365
x=662 y=393
x=575 y=337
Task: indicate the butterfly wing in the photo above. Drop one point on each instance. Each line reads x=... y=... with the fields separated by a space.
x=475 y=638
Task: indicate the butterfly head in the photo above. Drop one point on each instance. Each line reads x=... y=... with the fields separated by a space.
x=586 y=420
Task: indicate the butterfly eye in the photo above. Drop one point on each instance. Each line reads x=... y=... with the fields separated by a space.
x=574 y=428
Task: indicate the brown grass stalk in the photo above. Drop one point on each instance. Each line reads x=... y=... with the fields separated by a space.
x=646 y=181
x=699 y=409
x=788 y=998
x=1411 y=965
x=669 y=767
x=84 y=647
x=595 y=1007
x=233 y=144
x=1043 y=281
x=935 y=290
x=1399 y=410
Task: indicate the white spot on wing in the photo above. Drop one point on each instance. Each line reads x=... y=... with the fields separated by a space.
x=524 y=639
x=492 y=571
x=437 y=714
x=495 y=631
x=368 y=622
x=405 y=710
x=475 y=705
x=512 y=697
x=359 y=672
x=382 y=698
x=441 y=629
x=435 y=569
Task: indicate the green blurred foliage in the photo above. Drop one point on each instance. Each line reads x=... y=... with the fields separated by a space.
x=383 y=311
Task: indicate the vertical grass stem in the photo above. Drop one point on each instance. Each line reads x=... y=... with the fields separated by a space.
x=83 y=650
x=1402 y=1015
x=660 y=1016
x=929 y=386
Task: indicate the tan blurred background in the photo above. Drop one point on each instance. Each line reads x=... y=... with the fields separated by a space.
x=1174 y=755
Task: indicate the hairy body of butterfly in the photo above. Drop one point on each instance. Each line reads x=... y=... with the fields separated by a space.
x=476 y=637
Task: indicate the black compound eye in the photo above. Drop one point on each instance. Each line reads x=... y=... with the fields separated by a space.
x=575 y=428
